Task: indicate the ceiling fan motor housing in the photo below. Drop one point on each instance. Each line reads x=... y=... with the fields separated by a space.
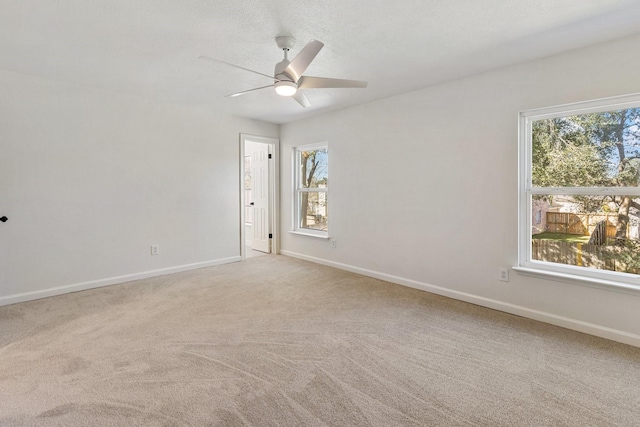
x=279 y=73
x=283 y=83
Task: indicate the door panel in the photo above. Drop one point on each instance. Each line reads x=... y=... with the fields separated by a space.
x=261 y=220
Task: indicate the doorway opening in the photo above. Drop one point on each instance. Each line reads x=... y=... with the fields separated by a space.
x=258 y=195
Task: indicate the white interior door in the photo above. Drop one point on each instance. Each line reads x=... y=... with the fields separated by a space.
x=260 y=194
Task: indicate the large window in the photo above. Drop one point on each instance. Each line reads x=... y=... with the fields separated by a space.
x=311 y=175
x=579 y=191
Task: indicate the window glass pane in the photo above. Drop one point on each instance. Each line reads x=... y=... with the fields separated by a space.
x=589 y=150
x=313 y=172
x=600 y=232
x=313 y=210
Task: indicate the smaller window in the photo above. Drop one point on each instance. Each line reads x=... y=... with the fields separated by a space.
x=311 y=178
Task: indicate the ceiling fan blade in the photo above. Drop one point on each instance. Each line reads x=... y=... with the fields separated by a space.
x=302 y=60
x=302 y=99
x=206 y=58
x=233 y=95
x=308 y=82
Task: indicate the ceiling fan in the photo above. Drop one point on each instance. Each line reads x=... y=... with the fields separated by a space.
x=287 y=77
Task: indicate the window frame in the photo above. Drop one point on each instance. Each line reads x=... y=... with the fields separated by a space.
x=555 y=271
x=297 y=190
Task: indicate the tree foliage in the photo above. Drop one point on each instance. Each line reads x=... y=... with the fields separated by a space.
x=590 y=150
x=564 y=157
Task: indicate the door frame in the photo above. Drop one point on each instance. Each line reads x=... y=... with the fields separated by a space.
x=274 y=193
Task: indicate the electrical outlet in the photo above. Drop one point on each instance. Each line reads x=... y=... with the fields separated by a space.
x=503 y=274
x=155 y=249
x=333 y=243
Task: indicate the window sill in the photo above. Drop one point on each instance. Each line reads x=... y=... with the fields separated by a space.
x=575 y=279
x=317 y=236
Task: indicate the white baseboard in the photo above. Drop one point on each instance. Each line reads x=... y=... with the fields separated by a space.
x=28 y=296
x=553 y=319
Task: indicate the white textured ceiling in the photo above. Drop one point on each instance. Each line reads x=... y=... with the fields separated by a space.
x=150 y=48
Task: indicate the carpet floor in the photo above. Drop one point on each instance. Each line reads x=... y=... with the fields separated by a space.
x=283 y=342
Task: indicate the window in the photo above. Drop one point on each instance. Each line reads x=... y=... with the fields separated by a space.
x=580 y=193
x=311 y=174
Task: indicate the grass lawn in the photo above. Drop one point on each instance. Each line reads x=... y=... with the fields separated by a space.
x=575 y=238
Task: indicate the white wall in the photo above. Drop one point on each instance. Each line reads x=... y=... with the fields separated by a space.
x=90 y=179
x=423 y=187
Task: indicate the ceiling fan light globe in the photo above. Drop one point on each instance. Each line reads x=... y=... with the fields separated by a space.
x=286 y=88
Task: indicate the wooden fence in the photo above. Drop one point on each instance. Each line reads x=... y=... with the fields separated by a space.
x=580 y=254
x=579 y=223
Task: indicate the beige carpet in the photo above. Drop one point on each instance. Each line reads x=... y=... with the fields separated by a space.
x=278 y=341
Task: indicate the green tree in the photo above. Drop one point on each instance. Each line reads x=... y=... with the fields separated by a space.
x=597 y=149
x=555 y=141
x=617 y=134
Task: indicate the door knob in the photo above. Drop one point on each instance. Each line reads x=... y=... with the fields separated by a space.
x=4 y=219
